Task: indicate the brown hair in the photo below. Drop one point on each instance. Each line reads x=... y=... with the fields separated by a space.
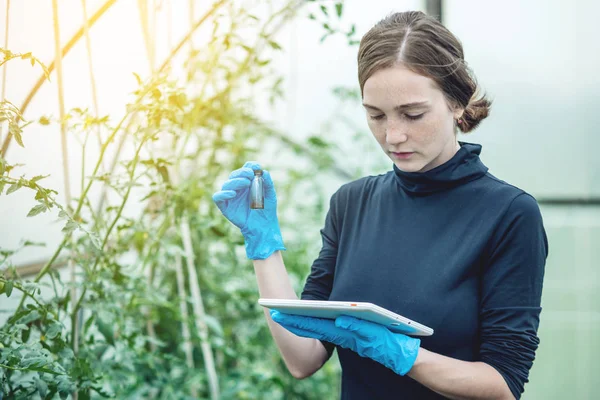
x=427 y=47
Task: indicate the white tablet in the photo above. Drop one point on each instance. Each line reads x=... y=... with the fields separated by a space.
x=362 y=310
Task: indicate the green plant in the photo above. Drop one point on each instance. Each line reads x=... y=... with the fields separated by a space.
x=142 y=325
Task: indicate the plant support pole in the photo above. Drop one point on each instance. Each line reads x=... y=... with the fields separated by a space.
x=88 y=45
x=185 y=328
x=199 y=313
x=67 y=181
x=4 y=66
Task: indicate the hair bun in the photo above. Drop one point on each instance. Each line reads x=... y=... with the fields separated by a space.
x=475 y=112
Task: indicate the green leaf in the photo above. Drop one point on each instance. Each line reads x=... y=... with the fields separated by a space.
x=162 y=170
x=137 y=78
x=53 y=330
x=274 y=45
x=352 y=31
x=70 y=227
x=30 y=243
x=106 y=331
x=213 y=324
x=38 y=178
x=34 y=315
x=66 y=353
x=42 y=388
x=37 y=210
x=63 y=214
x=88 y=323
x=15 y=131
x=338 y=9
x=13 y=188
x=324 y=10
x=95 y=239
x=156 y=93
x=8 y=287
x=318 y=142
x=217 y=231
x=34 y=362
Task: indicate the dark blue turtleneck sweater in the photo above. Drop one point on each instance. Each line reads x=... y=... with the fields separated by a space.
x=453 y=248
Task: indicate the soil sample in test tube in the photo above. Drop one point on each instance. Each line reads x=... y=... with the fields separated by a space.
x=257 y=191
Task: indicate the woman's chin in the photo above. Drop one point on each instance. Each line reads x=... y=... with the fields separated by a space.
x=408 y=166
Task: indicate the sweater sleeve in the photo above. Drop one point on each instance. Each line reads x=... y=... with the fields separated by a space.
x=320 y=281
x=511 y=292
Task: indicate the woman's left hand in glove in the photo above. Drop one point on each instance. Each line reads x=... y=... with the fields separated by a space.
x=394 y=350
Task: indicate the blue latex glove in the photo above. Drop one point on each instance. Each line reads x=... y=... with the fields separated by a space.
x=260 y=228
x=396 y=351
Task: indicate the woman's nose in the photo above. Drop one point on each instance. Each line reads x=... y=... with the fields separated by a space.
x=395 y=134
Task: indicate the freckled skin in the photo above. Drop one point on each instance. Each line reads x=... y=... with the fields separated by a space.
x=432 y=138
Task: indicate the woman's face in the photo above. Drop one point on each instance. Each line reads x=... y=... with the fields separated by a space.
x=410 y=118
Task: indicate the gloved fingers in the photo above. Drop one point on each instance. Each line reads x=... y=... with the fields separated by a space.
x=243 y=172
x=220 y=198
x=363 y=329
x=223 y=195
x=253 y=165
x=299 y=321
x=236 y=184
x=269 y=186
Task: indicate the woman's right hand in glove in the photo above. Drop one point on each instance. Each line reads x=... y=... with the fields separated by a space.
x=260 y=227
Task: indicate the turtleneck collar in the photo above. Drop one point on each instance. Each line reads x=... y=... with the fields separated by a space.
x=463 y=167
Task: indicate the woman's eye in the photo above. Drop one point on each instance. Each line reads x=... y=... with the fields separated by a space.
x=377 y=117
x=414 y=117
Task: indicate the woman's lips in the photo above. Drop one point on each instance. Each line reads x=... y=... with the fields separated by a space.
x=402 y=155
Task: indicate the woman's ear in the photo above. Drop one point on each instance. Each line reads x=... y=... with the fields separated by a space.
x=458 y=112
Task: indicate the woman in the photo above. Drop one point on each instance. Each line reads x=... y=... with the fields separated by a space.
x=438 y=239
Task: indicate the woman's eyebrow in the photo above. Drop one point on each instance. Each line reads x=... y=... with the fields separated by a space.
x=400 y=107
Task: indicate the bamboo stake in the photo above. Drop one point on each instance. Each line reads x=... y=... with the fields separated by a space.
x=65 y=153
x=185 y=328
x=199 y=313
x=88 y=45
x=143 y=10
x=4 y=66
x=191 y=13
x=62 y=114
x=188 y=347
x=149 y=324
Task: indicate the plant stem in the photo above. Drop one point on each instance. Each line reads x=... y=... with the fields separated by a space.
x=116 y=219
x=43 y=271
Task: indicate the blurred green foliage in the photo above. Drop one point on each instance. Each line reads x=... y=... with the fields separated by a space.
x=122 y=336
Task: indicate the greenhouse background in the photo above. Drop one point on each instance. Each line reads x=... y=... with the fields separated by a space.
x=293 y=107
